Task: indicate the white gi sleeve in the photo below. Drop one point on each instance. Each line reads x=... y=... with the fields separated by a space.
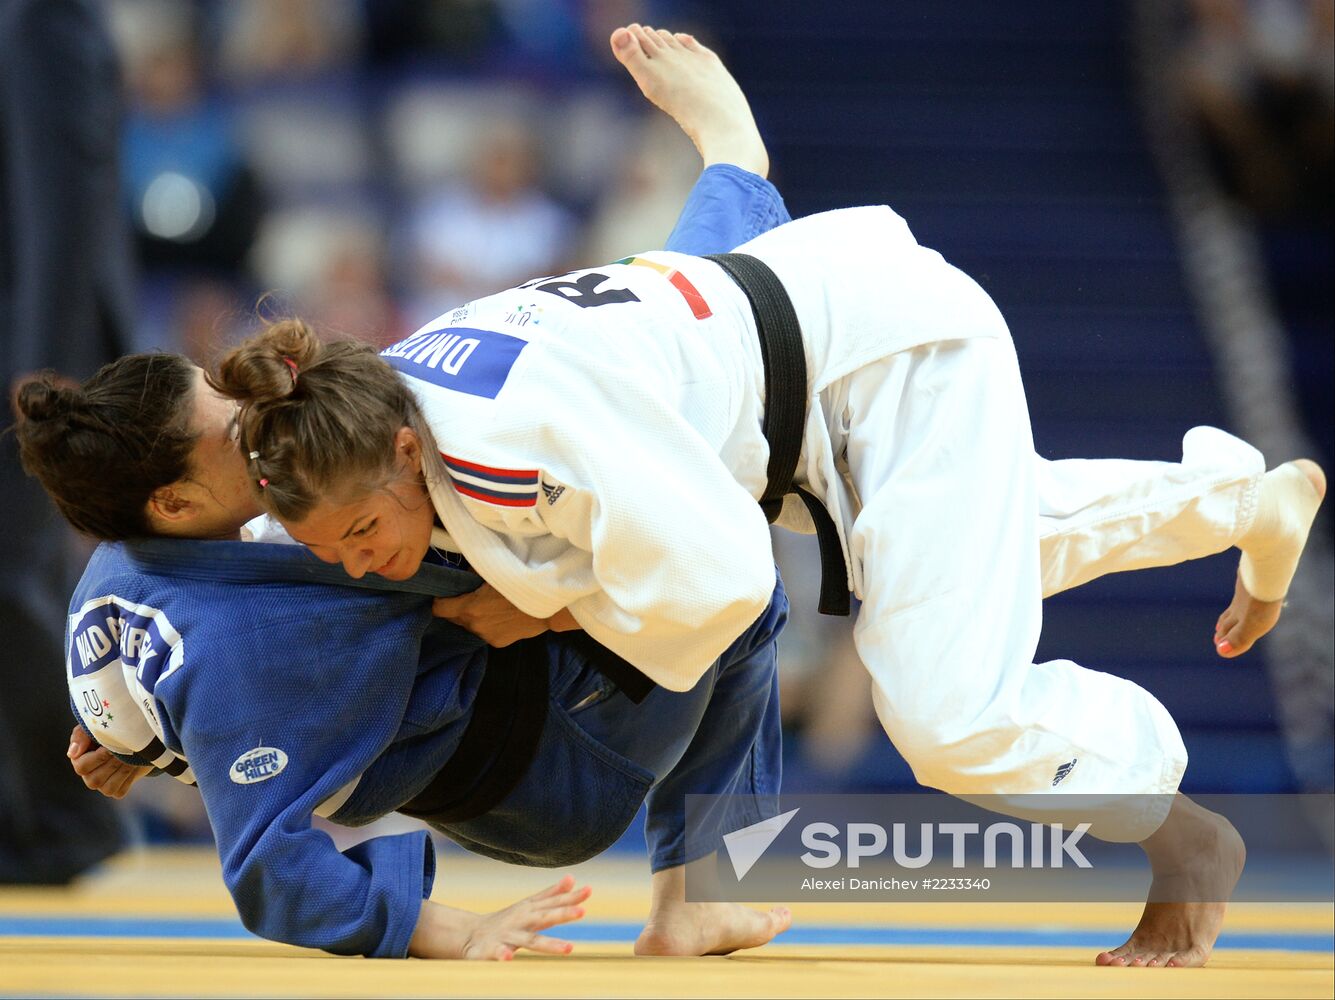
x=638 y=528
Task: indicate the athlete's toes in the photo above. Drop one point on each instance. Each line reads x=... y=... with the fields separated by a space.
x=1230 y=643
x=1229 y=637
x=692 y=44
x=1120 y=955
x=649 y=38
x=625 y=46
x=1314 y=473
x=668 y=39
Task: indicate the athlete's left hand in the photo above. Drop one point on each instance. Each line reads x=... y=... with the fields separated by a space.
x=99 y=770
x=490 y=617
x=445 y=932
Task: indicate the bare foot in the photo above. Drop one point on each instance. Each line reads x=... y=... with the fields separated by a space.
x=1297 y=489
x=676 y=927
x=709 y=929
x=1197 y=857
x=688 y=81
x=1243 y=622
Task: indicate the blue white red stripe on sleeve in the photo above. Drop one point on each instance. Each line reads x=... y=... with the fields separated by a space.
x=503 y=487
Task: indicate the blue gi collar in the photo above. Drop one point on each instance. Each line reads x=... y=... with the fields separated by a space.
x=263 y=562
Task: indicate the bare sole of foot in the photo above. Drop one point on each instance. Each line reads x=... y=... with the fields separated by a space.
x=1197 y=857
x=693 y=929
x=688 y=81
x=1247 y=619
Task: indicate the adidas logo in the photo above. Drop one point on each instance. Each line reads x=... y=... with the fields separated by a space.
x=552 y=493
x=1064 y=770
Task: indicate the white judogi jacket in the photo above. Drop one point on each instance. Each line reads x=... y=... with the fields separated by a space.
x=601 y=430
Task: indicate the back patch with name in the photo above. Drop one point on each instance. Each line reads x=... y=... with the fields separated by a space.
x=460 y=358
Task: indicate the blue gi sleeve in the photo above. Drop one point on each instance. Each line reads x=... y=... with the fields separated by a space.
x=727 y=207
x=124 y=758
x=276 y=723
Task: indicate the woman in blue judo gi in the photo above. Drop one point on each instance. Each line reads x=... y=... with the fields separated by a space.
x=284 y=690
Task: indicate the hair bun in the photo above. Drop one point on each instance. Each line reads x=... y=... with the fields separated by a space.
x=268 y=367
x=45 y=398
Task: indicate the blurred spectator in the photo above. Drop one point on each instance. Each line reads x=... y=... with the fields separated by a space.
x=1261 y=77
x=638 y=213
x=490 y=231
x=66 y=291
x=263 y=39
x=330 y=266
x=202 y=316
x=192 y=197
x=352 y=297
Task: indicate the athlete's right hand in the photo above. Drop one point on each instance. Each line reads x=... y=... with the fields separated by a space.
x=99 y=770
x=444 y=932
x=488 y=615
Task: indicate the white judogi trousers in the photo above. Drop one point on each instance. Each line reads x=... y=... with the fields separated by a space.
x=1100 y=516
x=952 y=595
x=961 y=532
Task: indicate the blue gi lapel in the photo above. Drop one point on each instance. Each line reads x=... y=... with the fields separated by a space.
x=261 y=562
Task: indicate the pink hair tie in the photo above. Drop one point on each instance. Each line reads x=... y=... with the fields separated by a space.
x=293 y=365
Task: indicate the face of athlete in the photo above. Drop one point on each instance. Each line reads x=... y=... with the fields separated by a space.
x=387 y=532
x=213 y=499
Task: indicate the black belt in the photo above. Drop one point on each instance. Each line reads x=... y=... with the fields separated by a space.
x=784 y=423
x=499 y=743
x=628 y=679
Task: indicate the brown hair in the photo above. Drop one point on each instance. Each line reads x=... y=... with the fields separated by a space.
x=317 y=419
x=101 y=449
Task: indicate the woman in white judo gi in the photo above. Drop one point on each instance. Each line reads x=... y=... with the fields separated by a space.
x=593 y=445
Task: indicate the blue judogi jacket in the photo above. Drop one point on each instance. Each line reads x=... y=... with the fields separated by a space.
x=284 y=689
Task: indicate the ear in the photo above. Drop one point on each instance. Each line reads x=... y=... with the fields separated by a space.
x=409 y=446
x=170 y=506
